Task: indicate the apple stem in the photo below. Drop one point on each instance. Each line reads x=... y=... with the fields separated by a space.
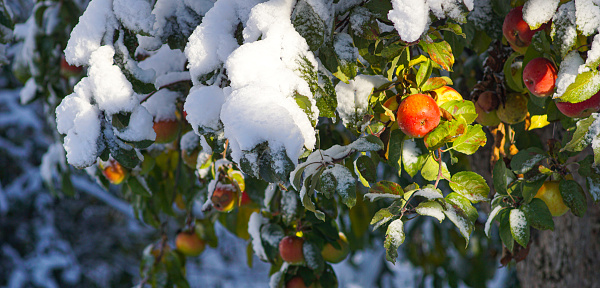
x=439 y=159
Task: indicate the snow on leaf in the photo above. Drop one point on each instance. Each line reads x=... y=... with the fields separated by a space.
x=413 y=157
x=429 y=193
x=254 y=226
x=538 y=12
x=459 y=210
x=593 y=137
x=431 y=208
x=203 y=108
x=353 y=98
x=470 y=185
x=567 y=73
x=346 y=184
x=490 y=220
x=564 y=30
x=410 y=18
x=582 y=136
x=519 y=226
x=586 y=13
x=394 y=237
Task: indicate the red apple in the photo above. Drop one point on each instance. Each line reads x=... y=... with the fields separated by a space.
x=114 y=172
x=581 y=109
x=297 y=282
x=517 y=31
x=67 y=70
x=487 y=101
x=445 y=94
x=539 y=76
x=290 y=249
x=225 y=197
x=166 y=130
x=417 y=115
x=333 y=255
x=245 y=199
x=189 y=243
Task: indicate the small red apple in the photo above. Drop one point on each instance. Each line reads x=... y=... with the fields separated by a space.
x=581 y=109
x=290 y=249
x=517 y=31
x=114 y=172
x=417 y=115
x=67 y=70
x=225 y=197
x=297 y=282
x=166 y=131
x=445 y=94
x=333 y=255
x=539 y=76
x=487 y=101
x=189 y=243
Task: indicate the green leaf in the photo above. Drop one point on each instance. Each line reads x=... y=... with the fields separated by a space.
x=307 y=191
x=526 y=159
x=327 y=184
x=539 y=215
x=459 y=210
x=431 y=208
x=440 y=53
x=519 y=226
x=394 y=237
x=493 y=215
x=367 y=171
x=414 y=155
x=346 y=184
x=591 y=173
x=382 y=216
x=270 y=236
x=530 y=188
x=395 y=150
x=513 y=80
x=445 y=132
x=464 y=108
x=431 y=168
x=424 y=72
x=470 y=185
x=387 y=187
x=563 y=26
x=580 y=140
x=505 y=233
x=137 y=188
x=499 y=177
x=309 y=25
x=585 y=86
x=471 y=140
x=127 y=158
x=435 y=83
x=573 y=196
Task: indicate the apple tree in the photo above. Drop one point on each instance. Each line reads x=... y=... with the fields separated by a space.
x=311 y=128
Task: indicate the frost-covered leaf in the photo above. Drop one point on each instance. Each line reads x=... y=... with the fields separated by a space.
x=431 y=168
x=580 y=139
x=591 y=173
x=414 y=155
x=431 y=208
x=539 y=215
x=470 y=185
x=309 y=24
x=429 y=192
x=312 y=255
x=519 y=226
x=488 y=223
x=381 y=217
x=364 y=24
x=271 y=234
x=526 y=159
x=310 y=183
x=573 y=196
x=394 y=237
x=586 y=15
x=585 y=86
x=564 y=29
x=505 y=232
x=538 y=12
x=471 y=140
x=459 y=210
x=385 y=189
x=346 y=184
x=440 y=53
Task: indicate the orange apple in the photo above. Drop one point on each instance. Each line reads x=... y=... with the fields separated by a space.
x=189 y=243
x=417 y=115
x=114 y=172
x=539 y=76
x=333 y=255
x=225 y=197
x=290 y=249
x=166 y=130
x=550 y=194
x=517 y=31
x=445 y=94
x=581 y=109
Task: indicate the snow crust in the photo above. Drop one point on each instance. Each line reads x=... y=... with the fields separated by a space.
x=594 y=53
x=353 y=98
x=564 y=27
x=162 y=105
x=569 y=69
x=586 y=13
x=203 y=108
x=410 y=18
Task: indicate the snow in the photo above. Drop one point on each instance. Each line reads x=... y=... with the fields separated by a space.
x=134 y=14
x=28 y=92
x=344 y=47
x=189 y=141
x=518 y=223
x=140 y=126
x=53 y=158
x=164 y=61
x=538 y=12
x=564 y=27
x=96 y=24
x=586 y=13
x=410 y=152
x=593 y=134
x=567 y=73
x=254 y=224
x=353 y=98
x=429 y=193
x=344 y=179
x=162 y=105
x=78 y=119
x=490 y=220
x=481 y=13
x=593 y=55
x=203 y=108
x=410 y=18
x=395 y=233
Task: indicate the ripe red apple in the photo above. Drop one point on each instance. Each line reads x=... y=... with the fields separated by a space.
x=517 y=31
x=417 y=115
x=581 y=109
x=539 y=76
x=290 y=249
x=333 y=255
x=297 y=282
x=225 y=197
x=189 y=243
x=67 y=70
x=445 y=94
x=114 y=172
x=166 y=131
x=550 y=194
